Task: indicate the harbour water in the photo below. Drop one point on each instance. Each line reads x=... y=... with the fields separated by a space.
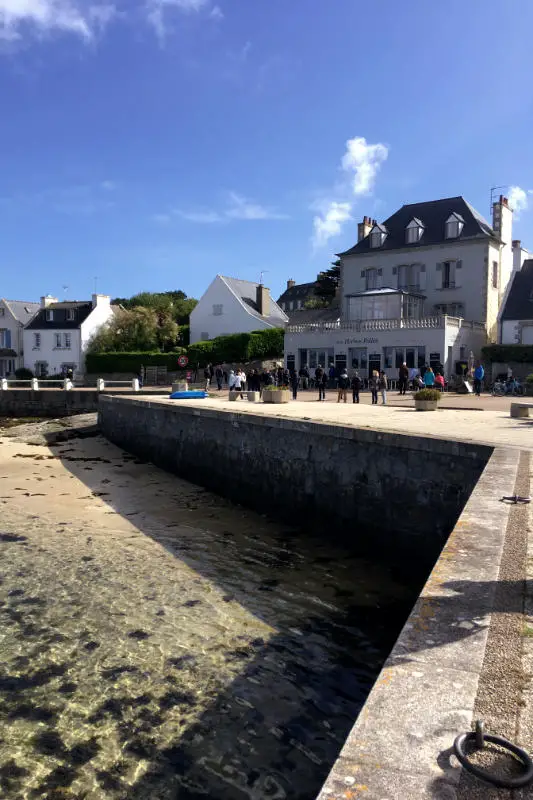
x=158 y=642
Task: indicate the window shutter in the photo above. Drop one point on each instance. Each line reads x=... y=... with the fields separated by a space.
x=438 y=284
x=422 y=276
x=458 y=264
x=8 y=339
x=422 y=267
x=362 y=273
x=395 y=270
x=457 y=275
x=380 y=272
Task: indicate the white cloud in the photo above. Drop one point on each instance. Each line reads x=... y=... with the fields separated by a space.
x=202 y=217
x=216 y=13
x=157 y=11
x=47 y=16
x=241 y=208
x=518 y=200
x=330 y=222
x=361 y=162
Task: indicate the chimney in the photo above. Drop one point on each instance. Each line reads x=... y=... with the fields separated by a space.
x=290 y=283
x=100 y=300
x=364 y=228
x=48 y=300
x=502 y=219
x=263 y=300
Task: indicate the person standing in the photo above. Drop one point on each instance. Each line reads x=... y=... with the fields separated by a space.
x=403 y=378
x=321 y=378
x=219 y=375
x=304 y=376
x=356 y=387
x=383 y=385
x=344 y=383
x=429 y=378
x=439 y=381
x=207 y=376
x=237 y=383
x=295 y=382
x=479 y=374
x=373 y=386
x=332 y=376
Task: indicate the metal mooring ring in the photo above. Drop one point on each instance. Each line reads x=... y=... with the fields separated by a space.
x=504 y=783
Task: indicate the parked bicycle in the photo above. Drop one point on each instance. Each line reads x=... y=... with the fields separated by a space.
x=510 y=387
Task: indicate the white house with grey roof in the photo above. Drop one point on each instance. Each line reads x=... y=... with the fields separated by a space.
x=230 y=305
x=14 y=315
x=57 y=337
x=424 y=287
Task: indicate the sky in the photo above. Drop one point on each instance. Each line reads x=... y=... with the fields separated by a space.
x=151 y=145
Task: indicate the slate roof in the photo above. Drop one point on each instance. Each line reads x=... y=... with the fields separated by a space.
x=433 y=216
x=519 y=303
x=21 y=310
x=246 y=291
x=301 y=291
x=313 y=316
x=82 y=310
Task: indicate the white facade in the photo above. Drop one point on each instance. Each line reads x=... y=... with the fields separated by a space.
x=52 y=350
x=13 y=316
x=222 y=310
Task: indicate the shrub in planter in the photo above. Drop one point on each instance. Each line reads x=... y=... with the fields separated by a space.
x=427 y=399
x=23 y=374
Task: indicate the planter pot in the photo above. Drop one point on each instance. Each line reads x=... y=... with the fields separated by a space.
x=277 y=396
x=253 y=397
x=233 y=395
x=426 y=405
x=180 y=386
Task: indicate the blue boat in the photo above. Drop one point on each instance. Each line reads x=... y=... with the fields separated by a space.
x=193 y=395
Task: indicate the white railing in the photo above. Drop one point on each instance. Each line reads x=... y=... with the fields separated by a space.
x=65 y=384
x=439 y=321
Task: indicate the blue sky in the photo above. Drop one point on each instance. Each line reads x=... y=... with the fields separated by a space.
x=151 y=145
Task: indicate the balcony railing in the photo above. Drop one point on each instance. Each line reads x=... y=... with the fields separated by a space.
x=439 y=321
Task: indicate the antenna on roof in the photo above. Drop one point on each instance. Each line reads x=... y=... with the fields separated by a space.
x=493 y=191
x=263 y=272
x=65 y=290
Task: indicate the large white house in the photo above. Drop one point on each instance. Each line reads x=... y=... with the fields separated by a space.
x=423 y=287
x=14 y=315
x=516 y=318
x=56 y=339
x=230 y=305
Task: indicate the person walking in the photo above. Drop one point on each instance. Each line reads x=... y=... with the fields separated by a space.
x=344 y=383
x=356 y=387
x=479 y=374
x=237 y=383
x=321 y=379
x=373 y=386
x=295 y=382
x=304 y=377
x=207 y=376
x=429 y=378
x=383 y=385
x=403 y=378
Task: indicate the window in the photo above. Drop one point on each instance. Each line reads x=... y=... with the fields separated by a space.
x=36 y=341
x=41 y=369
x=412 y=307
x=450 y=309
x=49 y=315
x=414 y=231
x=387 y=357
x=454 y=226
x=421 y=357
x=67 y=340
x=411 y=277
x=5 y=338
x=71 y=314
x=448 y=275
x=2 y=312
x=371 y=279
x=217 y=310
x=494 y=274
x=204 y=336
x=57 y=338
x=378 y=235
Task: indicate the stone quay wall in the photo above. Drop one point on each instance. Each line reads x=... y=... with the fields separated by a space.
x=391 y=495
x=52 y=402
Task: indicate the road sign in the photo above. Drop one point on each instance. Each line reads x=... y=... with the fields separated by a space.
x=183 y=361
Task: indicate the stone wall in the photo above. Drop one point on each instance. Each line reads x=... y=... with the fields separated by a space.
x=52 y=402
x=395 y=495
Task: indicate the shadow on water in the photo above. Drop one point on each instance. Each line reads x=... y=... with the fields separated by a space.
x=275 y=730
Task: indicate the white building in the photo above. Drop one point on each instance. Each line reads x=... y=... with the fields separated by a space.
x=516 y=318
x=230 y=305
x=14 y=315
x=423 y=287
x=56 y=339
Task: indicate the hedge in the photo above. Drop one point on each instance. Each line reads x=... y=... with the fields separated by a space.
x=238 y=347
x=505 y=353
x=101 y=363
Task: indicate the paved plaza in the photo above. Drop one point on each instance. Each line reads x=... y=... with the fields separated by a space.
x=482 y=420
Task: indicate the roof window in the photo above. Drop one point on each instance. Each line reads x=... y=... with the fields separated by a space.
x=454 y=226
x=414 y=231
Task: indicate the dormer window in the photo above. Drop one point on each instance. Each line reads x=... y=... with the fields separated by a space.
x=378 y=234
x=49 y=315
x=71 y=314
x=454 y=226
x=414 y=231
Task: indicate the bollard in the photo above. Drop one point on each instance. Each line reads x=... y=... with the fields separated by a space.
x=135 y=385
x=34 y=385
x=3 y=385
x=100 y=385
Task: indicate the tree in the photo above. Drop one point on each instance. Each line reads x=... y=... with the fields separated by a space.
x=176 y=303
x=327 y=283
x=136 y=330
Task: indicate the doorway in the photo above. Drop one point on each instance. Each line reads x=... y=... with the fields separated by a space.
x=374 y=363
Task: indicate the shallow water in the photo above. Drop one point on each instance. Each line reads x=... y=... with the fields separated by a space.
x=158 y=642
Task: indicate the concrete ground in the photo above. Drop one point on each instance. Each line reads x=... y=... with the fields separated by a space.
x=484 y=420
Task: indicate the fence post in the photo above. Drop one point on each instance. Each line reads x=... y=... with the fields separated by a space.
x=100 y=385
x=34 y=385
x=3 y=385
x=135 y=384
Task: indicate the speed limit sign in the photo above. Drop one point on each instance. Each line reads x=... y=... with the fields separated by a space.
x=183 y=361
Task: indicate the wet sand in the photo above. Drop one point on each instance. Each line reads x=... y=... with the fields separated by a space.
x=159 y=642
